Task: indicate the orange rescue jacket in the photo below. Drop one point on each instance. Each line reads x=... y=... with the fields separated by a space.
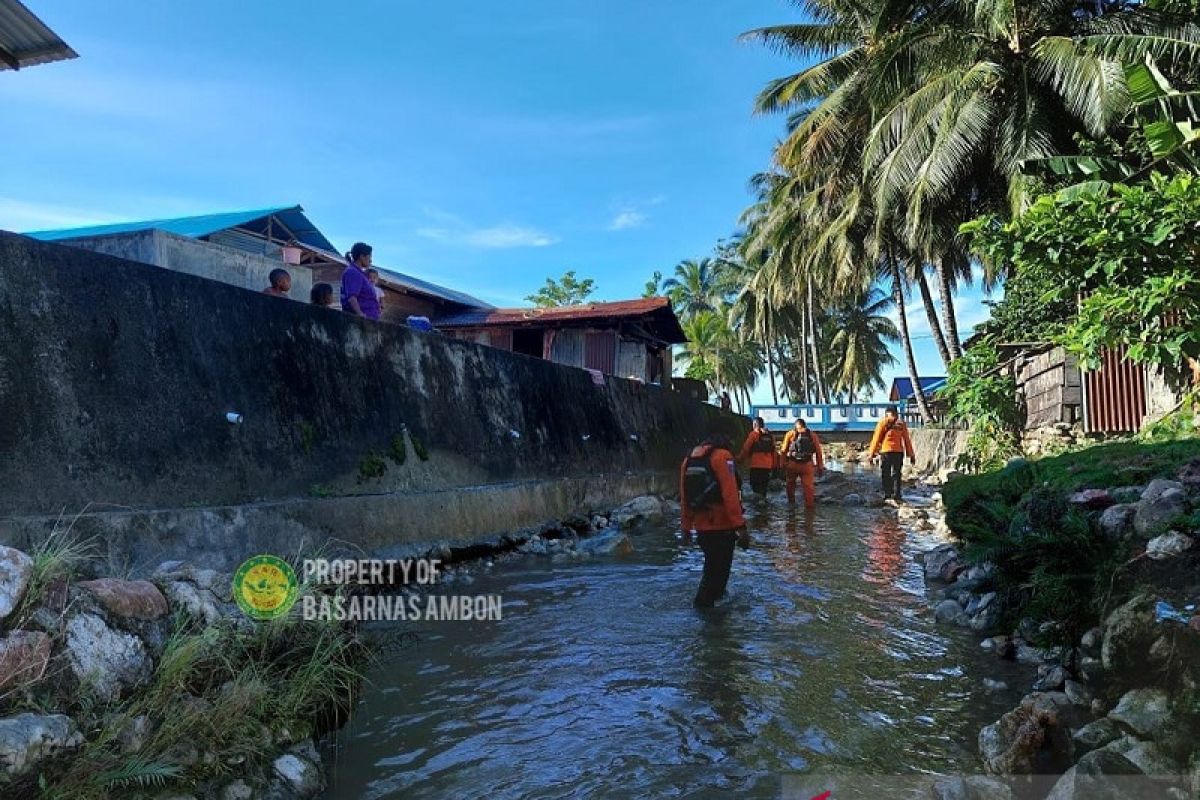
x=723 y=516
x=819 y=454
x=891 y=440
x=758 y=460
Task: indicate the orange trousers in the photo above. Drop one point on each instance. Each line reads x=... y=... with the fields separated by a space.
x=803 y=471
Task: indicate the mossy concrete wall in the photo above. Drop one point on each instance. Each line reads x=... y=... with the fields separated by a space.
x=115 y=379
x=937 y=448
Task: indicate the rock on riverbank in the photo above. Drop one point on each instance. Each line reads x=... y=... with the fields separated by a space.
x=109 y=684
x=1116 y=702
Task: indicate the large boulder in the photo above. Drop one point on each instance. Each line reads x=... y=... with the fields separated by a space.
x=1169 y=545
x=1091 y=499
x=646 y=508
x=951 y=612
x=106 y=660
x=984 y=611
x=971 y=787
x=1146 y=756
x=28 y=739
x=936 y=558
x=1030 y=739
x=1158 y=511
x=1158 y=488
x=16 y=568
x=1093 y=778
x=609 y=542
x=1129 y=632
x=1147 y=712
x=1116 y=521
x=140 y=600
x=196 y=601
x=23 y=658
x=300 y=772
x=1095 y=735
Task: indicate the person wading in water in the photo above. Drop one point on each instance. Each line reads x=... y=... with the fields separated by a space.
x=759 y=450
x=892 y=440
x=711 y=506
x=800 y=447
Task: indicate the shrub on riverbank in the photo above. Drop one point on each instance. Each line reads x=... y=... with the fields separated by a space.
x=127 y=688
x=1053 y=561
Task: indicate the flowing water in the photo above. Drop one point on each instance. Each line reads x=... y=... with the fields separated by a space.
x=602 y=681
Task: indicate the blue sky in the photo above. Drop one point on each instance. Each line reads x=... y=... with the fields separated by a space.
x=481 y=145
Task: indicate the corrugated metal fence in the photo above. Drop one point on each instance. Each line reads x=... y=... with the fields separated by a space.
x=1114 y=396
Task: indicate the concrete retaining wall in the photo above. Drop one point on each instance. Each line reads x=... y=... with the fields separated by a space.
x=937 y=448
x=115 y=379
x=393 y=524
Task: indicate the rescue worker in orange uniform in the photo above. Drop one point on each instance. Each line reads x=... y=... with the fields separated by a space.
x=711 y=507
x=892 y=440
x=759 y=450
x=800 y=447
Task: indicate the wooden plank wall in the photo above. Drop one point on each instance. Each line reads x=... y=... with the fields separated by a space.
x=1049 y=382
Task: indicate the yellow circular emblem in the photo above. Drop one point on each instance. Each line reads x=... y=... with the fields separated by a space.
x=265 y=587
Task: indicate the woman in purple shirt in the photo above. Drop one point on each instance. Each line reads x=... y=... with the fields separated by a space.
x=358 y=295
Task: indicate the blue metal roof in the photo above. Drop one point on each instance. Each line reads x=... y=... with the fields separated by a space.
x=902 y=388
x=292 y=217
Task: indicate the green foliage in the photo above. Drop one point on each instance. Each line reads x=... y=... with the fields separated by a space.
x=321 y=490
x=308 y=436
x=1051 y=564
x=419 y=447
x=137 y=772
x=371 y=466
x=1048 y=558
x=568 y=291
x=398 y=451
x=654 y=286
x=222 y=689
x=1034 y=307
x=1130 y=253
x=978 y=393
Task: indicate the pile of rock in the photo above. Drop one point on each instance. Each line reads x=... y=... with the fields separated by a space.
x=1050 y=439
x=103 y=638
x=1120 y=704
x=1070 y=725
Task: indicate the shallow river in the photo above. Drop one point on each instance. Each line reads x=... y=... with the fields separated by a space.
x=602 y=681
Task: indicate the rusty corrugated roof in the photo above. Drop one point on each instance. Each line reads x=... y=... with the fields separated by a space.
x=25 y=40
x=654 y=310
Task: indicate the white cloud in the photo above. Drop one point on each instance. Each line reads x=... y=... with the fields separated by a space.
x=451 y=229
x=20 y=216
x=629 y=218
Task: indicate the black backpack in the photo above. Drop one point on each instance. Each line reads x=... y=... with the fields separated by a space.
x=802 y=447
x=700 y=484
x=765 y=443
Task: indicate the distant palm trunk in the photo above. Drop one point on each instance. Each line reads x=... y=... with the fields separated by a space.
x=771 y=374
x=804 y=394
x=822 y=392
x=898 y=296
x=949 y=319
x=934 y=324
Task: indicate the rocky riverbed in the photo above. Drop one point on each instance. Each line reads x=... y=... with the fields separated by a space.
x=1111 y=712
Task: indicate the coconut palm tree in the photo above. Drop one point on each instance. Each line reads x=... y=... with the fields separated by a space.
x=862 y=334
x=694 y=287
x=930 y=113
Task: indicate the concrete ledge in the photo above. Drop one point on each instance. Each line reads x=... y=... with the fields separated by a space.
x=389 y=525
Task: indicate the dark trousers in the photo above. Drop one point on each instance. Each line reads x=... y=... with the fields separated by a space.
x=759 y=478
x=718 y=560
x=891 y=465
